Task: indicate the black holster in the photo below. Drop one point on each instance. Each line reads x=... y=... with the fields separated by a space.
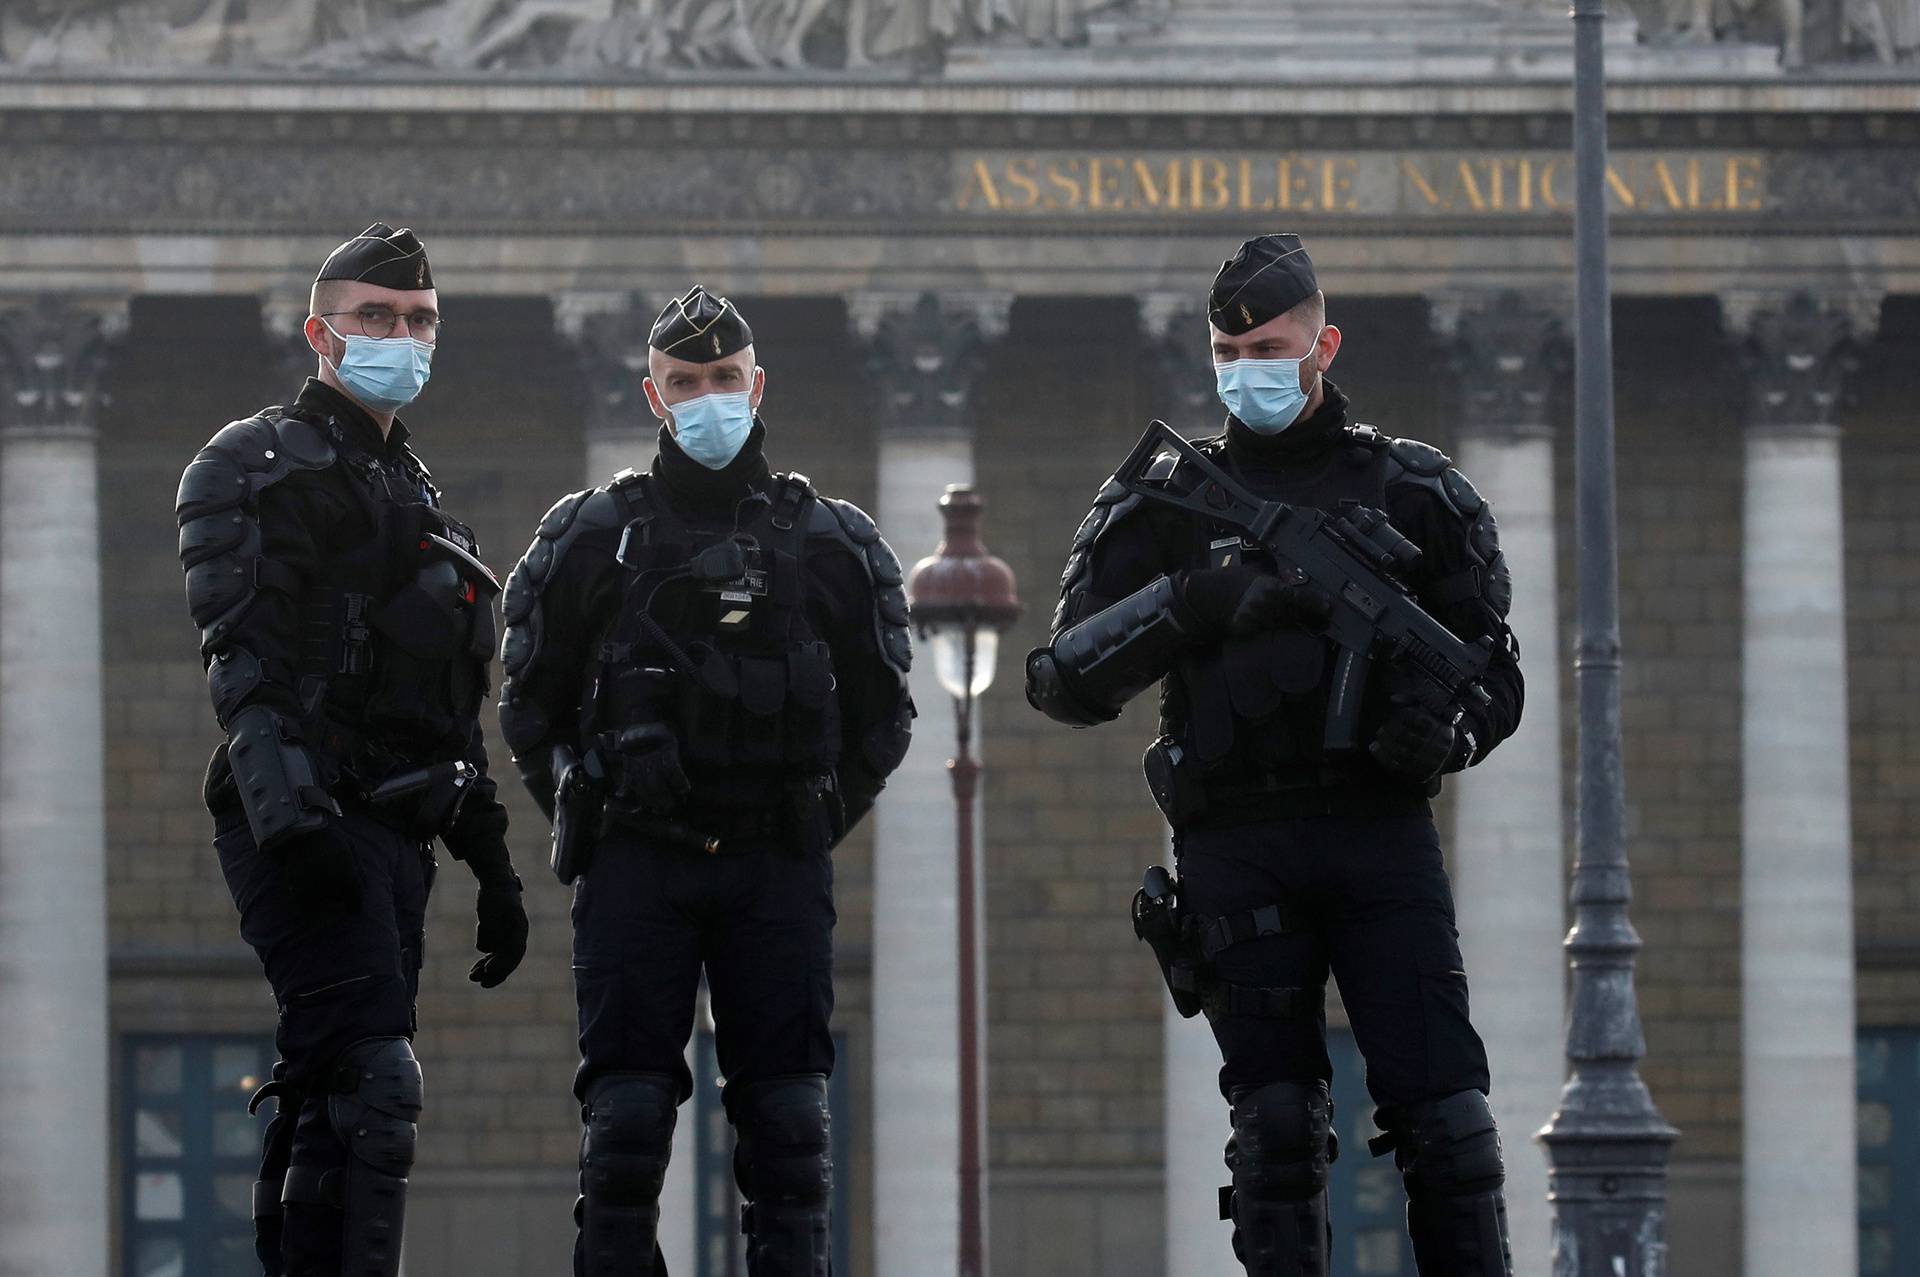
x=579 y=800
x=1159 y=919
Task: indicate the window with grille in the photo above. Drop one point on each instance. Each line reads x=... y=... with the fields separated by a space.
x=1368 y=1206
x=1888 y=1087
x=189 y=1153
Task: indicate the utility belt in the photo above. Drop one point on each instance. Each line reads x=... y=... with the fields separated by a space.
x=1186 y=946
x=708 y=832
x=421 y=802
x=589 y=804
x=1192 y=799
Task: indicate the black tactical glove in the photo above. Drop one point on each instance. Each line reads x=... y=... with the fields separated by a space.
x=319 y=870
x=646 y=767
x=1239 y=601
x=501 y=936
x=1413 y=742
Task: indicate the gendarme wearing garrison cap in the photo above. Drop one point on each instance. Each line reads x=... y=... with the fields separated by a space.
x=1298 y=751
x=706 y=689
x=346 y=623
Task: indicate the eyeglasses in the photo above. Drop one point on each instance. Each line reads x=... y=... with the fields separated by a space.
x=379 y=322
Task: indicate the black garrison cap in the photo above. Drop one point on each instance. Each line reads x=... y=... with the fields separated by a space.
x=383 y=256
x=1269 y=276
x=699 y=328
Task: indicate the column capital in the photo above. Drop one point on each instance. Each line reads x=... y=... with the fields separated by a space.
x=1508 y=350
x=1798 y=349
x=284 y=308
x=54 y=354
x=608 y=332
x=925 y=350
x=1175 y=325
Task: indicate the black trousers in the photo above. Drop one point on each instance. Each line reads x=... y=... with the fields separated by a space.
x=1377 y=910
x=648 y=919
x=337 y=978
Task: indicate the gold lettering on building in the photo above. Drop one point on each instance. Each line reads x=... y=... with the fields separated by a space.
x=1467 y=185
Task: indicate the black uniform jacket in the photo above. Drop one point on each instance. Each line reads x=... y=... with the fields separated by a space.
x=311 y=518
x=580 y=597
x=1130 y=552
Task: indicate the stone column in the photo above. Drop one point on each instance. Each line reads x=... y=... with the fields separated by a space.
x=55 y=1202
x=1509 y=838
x=608 y=332
x=1796 y=870
x=1174 y=327
x=923 y=353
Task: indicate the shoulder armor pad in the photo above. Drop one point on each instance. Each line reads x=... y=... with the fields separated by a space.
x=595 y=509
x=217 y=513
x=1488 y=576
x=1419 y=458
x=855 y=528
x=1159 y=470
x=854 y=521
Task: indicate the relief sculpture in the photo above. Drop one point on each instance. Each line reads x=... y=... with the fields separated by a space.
x=606 y=37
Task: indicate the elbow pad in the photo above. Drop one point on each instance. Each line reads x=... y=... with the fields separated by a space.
x=278 y=783
x=1099 y=664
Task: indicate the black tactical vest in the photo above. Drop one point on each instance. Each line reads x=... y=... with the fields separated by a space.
x=398 y=630
x=712 y=639
x=1250 y=708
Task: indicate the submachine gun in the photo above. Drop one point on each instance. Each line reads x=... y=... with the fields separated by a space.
x=1354 y=557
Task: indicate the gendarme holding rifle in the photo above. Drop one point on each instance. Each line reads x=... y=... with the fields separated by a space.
x=1326 y=606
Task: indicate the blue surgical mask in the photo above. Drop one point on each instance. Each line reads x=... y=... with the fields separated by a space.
x=386 y=374
x=1264 y=393
x=713 y=428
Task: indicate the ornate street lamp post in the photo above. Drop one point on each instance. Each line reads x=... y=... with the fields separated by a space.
x=1606 y=1143
x=962 y=597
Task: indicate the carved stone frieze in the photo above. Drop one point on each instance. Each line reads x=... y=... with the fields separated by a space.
x=54 y=358
x=317 y=184
x=924 y=353
x=622 y=39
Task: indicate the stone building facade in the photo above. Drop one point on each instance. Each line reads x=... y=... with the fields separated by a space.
x=973 y=239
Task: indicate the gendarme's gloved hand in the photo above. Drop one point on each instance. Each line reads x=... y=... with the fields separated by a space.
x=1239 y=601
x=319 y=870
x=501 y=936
x=648 y=759
x=1413 y=742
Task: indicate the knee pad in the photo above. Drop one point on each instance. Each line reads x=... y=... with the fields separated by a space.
x=629 y=1120
x=1450 y=1147
x=1282 y=1135
x=373 y=1109
x=785 y=1149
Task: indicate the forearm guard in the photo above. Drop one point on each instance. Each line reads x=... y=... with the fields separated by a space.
x=278 y=783
x=1097 y=665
